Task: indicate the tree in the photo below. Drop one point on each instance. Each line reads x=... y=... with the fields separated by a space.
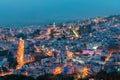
x=16 y=77
x=21 y=35
x=12 y=62
x=36 y=32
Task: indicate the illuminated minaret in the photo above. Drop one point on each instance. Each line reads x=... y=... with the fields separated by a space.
x=54 y=25
x=20 y=53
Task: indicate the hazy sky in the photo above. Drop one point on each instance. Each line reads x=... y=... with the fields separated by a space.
x=38 y=11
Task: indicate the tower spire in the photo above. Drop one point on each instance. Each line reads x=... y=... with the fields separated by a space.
x=54 y=25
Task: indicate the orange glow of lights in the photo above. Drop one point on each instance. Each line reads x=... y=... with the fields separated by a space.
x=85 y=72
x=37 y=49
x=48 y=31
x=20 y=54
x=78 y=75
x=111 y=53
x=70 y=55
x=108 y=57
x=6 y=73
x=57 y=71
x=49 y=53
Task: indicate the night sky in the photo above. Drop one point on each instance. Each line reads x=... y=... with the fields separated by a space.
x=43 y=11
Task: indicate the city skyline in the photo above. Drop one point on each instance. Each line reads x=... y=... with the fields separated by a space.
x=59 y=40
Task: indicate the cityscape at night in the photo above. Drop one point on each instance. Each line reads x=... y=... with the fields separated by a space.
x=59 y=40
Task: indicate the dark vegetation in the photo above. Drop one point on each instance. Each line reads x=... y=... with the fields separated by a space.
x=100 y=76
